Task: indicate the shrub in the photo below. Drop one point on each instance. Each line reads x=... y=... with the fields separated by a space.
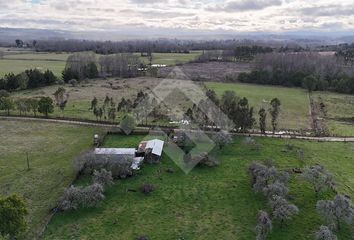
x=102 y=177
x=12 y=216
x=91 y=195
x=324 y=233
x=147 y=188
x=119 y=167
x=71 y=199
x=73 y=82
x=75 y=197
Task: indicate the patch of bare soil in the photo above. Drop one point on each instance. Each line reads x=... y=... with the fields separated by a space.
x=210 y=71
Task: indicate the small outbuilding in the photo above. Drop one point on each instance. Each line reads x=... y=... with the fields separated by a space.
x=151 y=150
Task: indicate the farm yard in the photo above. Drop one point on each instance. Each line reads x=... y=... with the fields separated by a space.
x=51 y=148
x=208 y=203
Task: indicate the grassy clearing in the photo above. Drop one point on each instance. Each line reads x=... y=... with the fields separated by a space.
x=208 y=203
x=295 y=102
x=340 y=112
x=51 y=148
x=171 y=59
x=18 y=66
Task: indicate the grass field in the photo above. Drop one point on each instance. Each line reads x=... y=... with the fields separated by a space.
x=295 y=102
x=51 y=148
x=208 y=203
x=340 y=112
x=17 y=61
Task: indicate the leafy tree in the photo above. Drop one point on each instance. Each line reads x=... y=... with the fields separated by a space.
x=262 y=120
x=7 y=104
x=12 y=216
x=35 y=78
x=69 y=74
x=274 y=112
x=127 y=124
x=319 y=178
x=91 y=70
x=12 y=82
x=49 y=77
x=103 y=177
x=324 y=233
x=336 y=211
x=310 y=83
x=282 y=210
x=222 y=138
x=45 y=106
x=19 y=43
x=264 y=225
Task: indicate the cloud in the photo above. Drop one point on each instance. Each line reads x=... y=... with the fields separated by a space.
x=228 y=15
x=244 y=5
x=328 y=11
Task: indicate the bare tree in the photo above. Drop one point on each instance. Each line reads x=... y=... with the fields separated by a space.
x=222 y=138
x=61 y=98
x=336 y=211
x=282 y=210
x=264 y=225
x=319 y=178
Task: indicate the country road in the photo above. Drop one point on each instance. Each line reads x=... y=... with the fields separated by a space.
x=105 y=125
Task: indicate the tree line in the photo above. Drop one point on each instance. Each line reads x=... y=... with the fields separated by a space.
x=307 y=70
x=32 y=78
x=145 y=46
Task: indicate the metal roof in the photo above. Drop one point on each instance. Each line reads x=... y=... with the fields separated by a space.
x=156 y=145
x=115 y=151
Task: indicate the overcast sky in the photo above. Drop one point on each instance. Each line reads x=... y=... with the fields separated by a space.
x=234 y=15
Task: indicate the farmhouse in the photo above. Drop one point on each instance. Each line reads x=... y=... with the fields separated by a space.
x=149 y=151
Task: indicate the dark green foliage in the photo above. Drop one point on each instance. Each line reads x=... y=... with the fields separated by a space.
x=274 y=112
x=45 y=106
x=12 y=216
x=262 y=120
x=69 y=74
